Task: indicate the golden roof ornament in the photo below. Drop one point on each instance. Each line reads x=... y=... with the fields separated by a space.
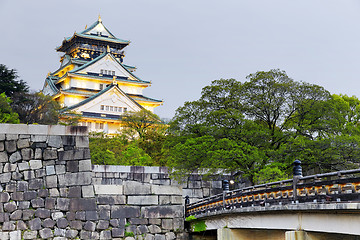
x=108 y=49
x=114 y=80
x=99 y=19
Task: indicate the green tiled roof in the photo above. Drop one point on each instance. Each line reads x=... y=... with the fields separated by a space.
x=143 y=98
x=97 y=95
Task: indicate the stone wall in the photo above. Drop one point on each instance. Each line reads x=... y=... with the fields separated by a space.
x=194 y=187
x=50 y=190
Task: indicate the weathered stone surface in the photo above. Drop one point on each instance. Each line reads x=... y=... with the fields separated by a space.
x=49 y=154
x=8 y=167
x=87 y=191
x=125 y=212
x=154 y=229
x=43 y=193
x=39 y=173
x=154 y=221
x=4 y=217
x=50 y=170
x=62 y=204
x=38 y=138
x=30 y=234
x=159 y=237
x=178 y=224
x=55 y=141
x=42 y=213
x=10 y=146
x=176 y=199
x=35 y=224
x=57 y=215
x=15 y=235
x=117 y=232
x=60 y=169
x=27 y=154
x=90 y=226
x=28 y=214
x=85 y=165
x=51 y=181
x=23 y=166
x=80 y=215
x=162 y=211
x=112 y=200
x=143 y=200
x=89 y=235
x=104 y=214
x=91 y=215
x=48 y=223
x=17 y=196
x=102 y=224
x=75 y=179
x=38 y=203
x=38 y=153
x=4 y=197
x=164 y=200
x=135 y=188
x=29 y=174
x=24 y=205
x=21 y=225
x=23 y=143
x=10 y=207
x=79 y=204
x=36 y=184
x=71 y=233
x=46 y=233
x=108 y=189
x=54 y=192
x=3 y=157
x=16 y=215
x=72 y=166
x=193 y=193
x=170 y=236
x=30 y=195
x=5 y=177
x=60 y=233
x=35 y=164
x=149 y=237
x=142 y=229
x=76 y=225
x=166 y=190
x=2 y=146
x=16 y=176
x=62 y=223
x=15 y=157
x=10 y=187
x=74 y=192
x=105 y=234
x=8 y=226
x=167 y=224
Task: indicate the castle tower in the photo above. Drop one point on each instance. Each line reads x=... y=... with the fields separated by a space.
x=93 y=80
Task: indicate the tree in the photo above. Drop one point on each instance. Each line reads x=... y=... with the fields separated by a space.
x=6 y=113
x=270 y=120
x=36 y=108
x=9 y=83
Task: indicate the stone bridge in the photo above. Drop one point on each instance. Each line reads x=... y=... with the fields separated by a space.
x=325 y=206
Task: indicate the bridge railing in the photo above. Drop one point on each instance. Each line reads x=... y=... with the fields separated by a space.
x=341 y=186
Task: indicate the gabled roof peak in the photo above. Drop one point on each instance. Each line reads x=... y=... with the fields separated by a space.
x=99 y=29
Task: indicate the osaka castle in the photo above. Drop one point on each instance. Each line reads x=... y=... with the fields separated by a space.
x=94 y=81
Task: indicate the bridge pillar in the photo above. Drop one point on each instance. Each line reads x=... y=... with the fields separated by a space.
x=295 y=235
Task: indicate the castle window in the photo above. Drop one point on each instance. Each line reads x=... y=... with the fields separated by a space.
x=89 y=125
x=113 y=73
x=125 y=109
x=107 y=108
x=111 y=108
x=101 y=126
x=101 y=86
x=101 y=71
x=120 y=109
x=102 y=107
x=115 y=109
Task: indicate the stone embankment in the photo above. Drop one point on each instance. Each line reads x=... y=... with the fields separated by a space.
x=50 y=190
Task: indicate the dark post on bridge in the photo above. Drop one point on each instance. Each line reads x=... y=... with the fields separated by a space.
x=297 y=173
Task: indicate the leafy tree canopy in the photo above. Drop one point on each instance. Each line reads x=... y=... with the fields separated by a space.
x=6 y=113
x=259 y=127
x=9 y=83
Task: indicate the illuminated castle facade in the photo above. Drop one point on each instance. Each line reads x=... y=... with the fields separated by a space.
x=93 y=80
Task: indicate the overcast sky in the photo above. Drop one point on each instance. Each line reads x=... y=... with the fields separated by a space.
x=181 y=46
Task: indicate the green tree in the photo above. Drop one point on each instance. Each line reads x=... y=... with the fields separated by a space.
x=6 y=113
x=9 y=83
x=37 y=108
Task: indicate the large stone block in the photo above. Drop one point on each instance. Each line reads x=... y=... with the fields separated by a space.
x=4 y=197
x=15 y=157
x=162 y=211
x=55 y=141
x=72 y=166
x=23 y=143
x=87 y=191
x=36 y=184
x=111 y=200
x=136 y=188
x=82 y=141
x=46 y=233
x=80 y=204
x=35 y=164
x=62 y=204
x=3 y=157
x=166 y=190
x=85 y=165
x=30 y=234
x=193 y=193
x=167 y=224
x=27 y=154
x=125 y=212
x=9 y=167
x=51 y=181
x=5 y=177
x=42 y=213
x=23 y=166
x=143 y=200
x=35 y=224
x=10 y=146
x=108 y=189
x=75 y=179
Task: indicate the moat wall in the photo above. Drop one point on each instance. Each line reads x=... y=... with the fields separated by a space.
x=50 y=190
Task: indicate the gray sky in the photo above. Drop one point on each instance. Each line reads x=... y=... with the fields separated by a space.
x=181 y=46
